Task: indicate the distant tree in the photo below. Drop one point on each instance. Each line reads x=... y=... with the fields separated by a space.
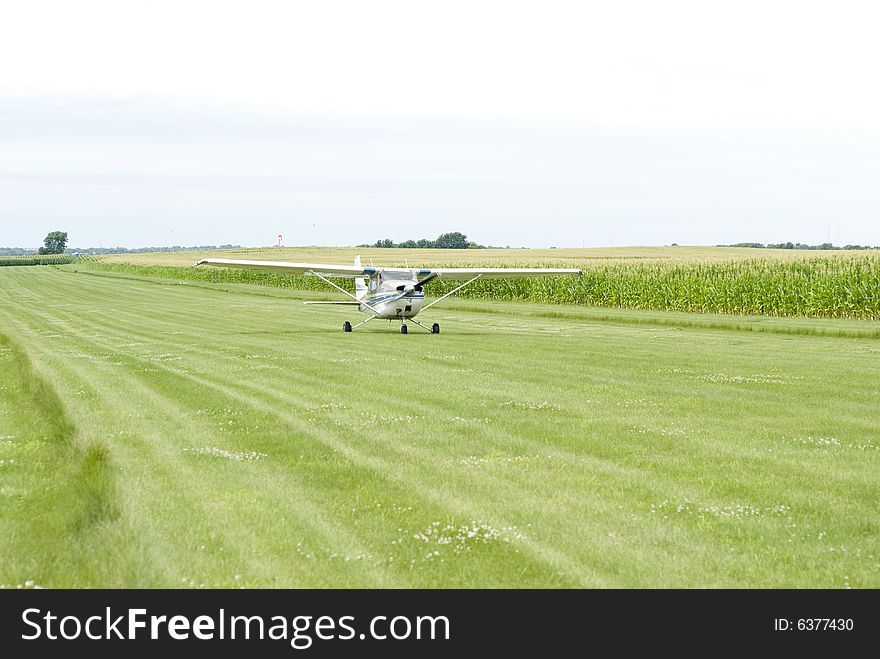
x=55 y=242
x=452 y=240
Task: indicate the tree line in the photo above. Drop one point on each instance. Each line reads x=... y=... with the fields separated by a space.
x=451 y=240
x=56 y=243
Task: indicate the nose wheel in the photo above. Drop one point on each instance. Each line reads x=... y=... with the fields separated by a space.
x=403 y=328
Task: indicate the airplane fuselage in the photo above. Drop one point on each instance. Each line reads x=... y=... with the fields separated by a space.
x=385 y=298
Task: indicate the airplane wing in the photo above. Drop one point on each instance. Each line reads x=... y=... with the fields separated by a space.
x=292 y=268
x=356 y=271
x=467 y=273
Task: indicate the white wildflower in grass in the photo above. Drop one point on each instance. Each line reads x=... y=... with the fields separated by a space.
x=329 y=407
x=328 y=554
x=439 y=357
x=215 y=452
x=636 y=402
x=665 y=432
x=534 y=406
x=463 y=537
x=732 y=511
x=473 y=460
x=816 y=441
x=830 y=442
x=220 y=411
x=461 y=419
x=741 y=379
x=867 y=446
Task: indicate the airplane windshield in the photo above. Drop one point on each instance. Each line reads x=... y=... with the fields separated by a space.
x=395 y=275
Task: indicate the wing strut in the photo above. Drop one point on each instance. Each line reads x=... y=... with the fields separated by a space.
x=364 y=322
x=345 y=292
x=454 y=290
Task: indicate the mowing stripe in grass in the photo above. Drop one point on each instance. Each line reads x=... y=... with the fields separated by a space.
x=66 y=508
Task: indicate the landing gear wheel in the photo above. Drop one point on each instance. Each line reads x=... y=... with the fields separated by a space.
x=346 y=326
x=435 y=328
x=403 y=329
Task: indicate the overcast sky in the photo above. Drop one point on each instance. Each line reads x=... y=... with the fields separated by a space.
x=541 y=123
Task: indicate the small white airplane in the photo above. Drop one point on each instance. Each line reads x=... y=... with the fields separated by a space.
x=387 y=293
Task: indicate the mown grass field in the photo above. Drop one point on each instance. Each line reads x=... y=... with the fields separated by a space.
x=156 y=432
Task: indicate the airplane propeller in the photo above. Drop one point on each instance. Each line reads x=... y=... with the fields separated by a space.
x=403 y=288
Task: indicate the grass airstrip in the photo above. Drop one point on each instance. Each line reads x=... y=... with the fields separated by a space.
x=161 y=432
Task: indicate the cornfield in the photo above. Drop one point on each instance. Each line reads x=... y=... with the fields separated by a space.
x=844 y=287
x=37 y=259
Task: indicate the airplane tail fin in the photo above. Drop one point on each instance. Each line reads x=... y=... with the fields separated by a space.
x=360 y=284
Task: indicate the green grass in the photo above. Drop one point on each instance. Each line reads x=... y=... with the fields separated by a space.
x=60 y=521
x=176 y=434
